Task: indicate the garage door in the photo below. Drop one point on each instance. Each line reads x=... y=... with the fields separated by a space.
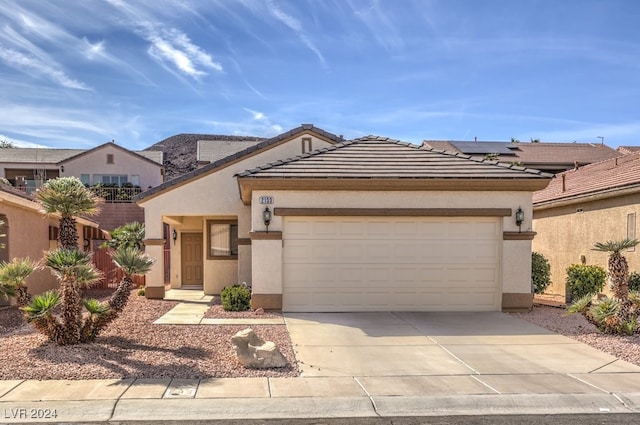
x=391 y=263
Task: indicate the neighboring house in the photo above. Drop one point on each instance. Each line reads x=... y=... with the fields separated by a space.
x=28 y=168
x=315 y=223
x=209 y=151
x=595 y=203
x=122 y=172
x=29 y=234
x=548 y=157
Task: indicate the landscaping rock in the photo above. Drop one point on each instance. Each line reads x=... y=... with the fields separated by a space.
x=254 y=352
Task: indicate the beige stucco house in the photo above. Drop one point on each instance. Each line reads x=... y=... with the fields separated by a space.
x=29 y=234
x=28 y=168
x=315 y=223
x=595 y=203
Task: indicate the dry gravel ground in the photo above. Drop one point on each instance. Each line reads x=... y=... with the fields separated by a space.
x=576 y=327
x=132 y=347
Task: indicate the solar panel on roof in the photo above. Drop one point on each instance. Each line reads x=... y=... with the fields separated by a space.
x=481 y=148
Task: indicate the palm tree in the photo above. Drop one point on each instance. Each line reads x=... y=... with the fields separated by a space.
x=68 y=197
x=618 y=266
x=129 y=235
x=12 y=279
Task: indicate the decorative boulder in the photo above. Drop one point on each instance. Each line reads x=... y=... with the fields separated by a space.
x=254 y=352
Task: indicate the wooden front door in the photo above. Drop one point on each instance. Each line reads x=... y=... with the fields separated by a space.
x=192 y=260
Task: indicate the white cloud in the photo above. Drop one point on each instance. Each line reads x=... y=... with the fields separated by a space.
x=258 y=116
x=32 y=64
x=21 y=143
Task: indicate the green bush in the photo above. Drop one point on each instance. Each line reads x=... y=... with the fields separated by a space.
x=236 y=298
x=540 y=272
x=583 y=280
x=634 y=281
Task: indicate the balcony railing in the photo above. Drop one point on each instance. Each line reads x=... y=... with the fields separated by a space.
x=108 y=193
x=116 y=194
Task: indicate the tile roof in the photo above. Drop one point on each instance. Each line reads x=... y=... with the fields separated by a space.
x=374 y=157
x=27 y=155
x=215 y=150
x=55 y=156
x=628 y=149
x=534 y=154
x=603 y=177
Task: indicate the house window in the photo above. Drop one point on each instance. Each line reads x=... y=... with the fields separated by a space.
x=85 y=179
x=110 y=158
x=631 y=227
x=222 y=239
x=135 y=180
x=4 y=238
x=109 y=179
x=306 y=144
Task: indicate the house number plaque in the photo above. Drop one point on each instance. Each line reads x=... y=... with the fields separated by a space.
x=266 y=200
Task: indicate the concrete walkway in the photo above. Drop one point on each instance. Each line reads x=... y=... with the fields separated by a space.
x=367 y=365
x=193 y=306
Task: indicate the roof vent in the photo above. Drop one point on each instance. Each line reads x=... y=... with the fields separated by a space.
x=564 y=187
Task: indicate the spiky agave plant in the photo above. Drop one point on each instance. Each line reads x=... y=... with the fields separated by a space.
x=68 y=197
x=12 y=279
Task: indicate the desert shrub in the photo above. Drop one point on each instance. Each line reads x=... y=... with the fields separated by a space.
x=583 y=280
x=540 y=272
x=634 y=281
x=236 y=298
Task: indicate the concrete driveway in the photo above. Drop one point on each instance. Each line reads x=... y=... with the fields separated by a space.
x=452 y=353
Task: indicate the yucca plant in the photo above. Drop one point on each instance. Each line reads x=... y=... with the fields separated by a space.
x=12 y=279
x=618 y=314
x=68 y=197
x=129 y=235
x=132 y=262
x=618 y=266
x=41 y=312
x=74 y=271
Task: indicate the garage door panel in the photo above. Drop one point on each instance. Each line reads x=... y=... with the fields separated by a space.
x=391 y=263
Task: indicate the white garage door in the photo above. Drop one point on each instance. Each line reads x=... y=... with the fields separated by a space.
x=391 y=263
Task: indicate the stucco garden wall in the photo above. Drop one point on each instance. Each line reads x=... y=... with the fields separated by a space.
x=566 y=233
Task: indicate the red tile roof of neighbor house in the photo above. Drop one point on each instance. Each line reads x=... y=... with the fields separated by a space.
x=532 y=154
x=628 y=149
x=608 y=176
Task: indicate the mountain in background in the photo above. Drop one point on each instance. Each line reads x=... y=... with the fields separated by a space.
x=180 y=151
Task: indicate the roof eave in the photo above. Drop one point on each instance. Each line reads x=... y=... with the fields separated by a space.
x=586 y=197
x=248 y=184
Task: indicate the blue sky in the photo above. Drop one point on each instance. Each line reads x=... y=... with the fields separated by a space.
x=78 y=74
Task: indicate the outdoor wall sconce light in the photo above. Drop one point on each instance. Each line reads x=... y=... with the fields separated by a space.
x=62 y=168
x=174 y=235
x=266 y=217
x=519 y=218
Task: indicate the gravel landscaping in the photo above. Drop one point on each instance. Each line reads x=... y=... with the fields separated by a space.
x=576 y=327
x=132 y=347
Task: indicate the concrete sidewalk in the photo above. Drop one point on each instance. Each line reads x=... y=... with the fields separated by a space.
x=100 y=401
